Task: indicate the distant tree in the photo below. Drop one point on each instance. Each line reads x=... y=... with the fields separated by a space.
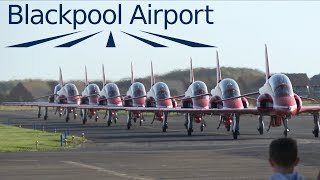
x=20 y=93
x=3 y=98
x=52 y=84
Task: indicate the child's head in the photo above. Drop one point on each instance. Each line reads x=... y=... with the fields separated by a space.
x=283 y=153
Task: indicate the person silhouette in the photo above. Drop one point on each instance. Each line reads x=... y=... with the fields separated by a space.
x=283 y=157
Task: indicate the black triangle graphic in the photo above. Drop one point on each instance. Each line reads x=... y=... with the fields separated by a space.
x=110 y=42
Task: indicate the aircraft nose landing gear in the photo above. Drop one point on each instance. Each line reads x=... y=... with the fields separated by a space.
x=285 y=124
x=165 y=122
x=316 y=124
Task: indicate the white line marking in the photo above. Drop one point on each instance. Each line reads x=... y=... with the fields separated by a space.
x=114 y=173
x=174 y=130
x=20 y=160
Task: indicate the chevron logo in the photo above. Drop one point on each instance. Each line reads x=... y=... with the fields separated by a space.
x=111 y=43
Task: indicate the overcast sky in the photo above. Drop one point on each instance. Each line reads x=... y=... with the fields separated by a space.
x=240 y=29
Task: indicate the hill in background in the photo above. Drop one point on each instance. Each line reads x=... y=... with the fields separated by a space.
x=249 y=80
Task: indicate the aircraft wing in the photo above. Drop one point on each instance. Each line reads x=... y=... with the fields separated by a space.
x=189 y=110
x=309 y=109
x=97 y=107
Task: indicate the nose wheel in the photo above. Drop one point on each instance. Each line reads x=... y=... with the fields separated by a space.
x=235 y=134
x=165 y=122
x=285 y=124
x=96 y=118
x=164 y=128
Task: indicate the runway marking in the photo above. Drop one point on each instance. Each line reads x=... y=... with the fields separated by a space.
x=153 y=128
x=114 y=173
x=20 y=160
x=172 y=130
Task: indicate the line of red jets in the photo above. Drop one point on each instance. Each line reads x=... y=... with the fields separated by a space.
x=275 y=99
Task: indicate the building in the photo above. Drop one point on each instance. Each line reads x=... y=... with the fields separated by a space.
x=315 y=86
x=300 y=83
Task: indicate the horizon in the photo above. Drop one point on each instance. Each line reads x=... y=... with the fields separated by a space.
x=148 y=76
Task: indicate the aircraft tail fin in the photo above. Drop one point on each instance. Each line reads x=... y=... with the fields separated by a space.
x=267 y=63
x=86 y=77
x=60 y=77
x=191 y=72
x=132 y=78
x=103 y=76
x=219 y=78
x=152 y=76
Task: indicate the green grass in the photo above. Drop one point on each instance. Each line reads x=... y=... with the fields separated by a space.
x=18 y=108
x=14 y=139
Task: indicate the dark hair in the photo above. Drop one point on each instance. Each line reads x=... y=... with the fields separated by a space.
x=283 y=151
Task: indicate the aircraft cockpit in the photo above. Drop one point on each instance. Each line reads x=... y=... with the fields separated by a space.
x=199 y=88
x=281 y=85
x=71 y=90
x=112 y=90
x=93 y=89
x=138 y=89
x=57 y=88
x=162 y=90
x=229 y=88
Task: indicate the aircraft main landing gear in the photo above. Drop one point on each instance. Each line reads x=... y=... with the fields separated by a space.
x=235 y=126
x=189 y=126
x=109 y=118
x=261 y=125
x=67 y=117
x=129 y=120
x=39 y=112
x=45 y=117
x=84 y=116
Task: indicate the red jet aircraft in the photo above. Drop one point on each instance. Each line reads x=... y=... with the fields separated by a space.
x=227 y=88
x=65 y=97
x=196 y=97
x=111 y=97
x=159 y=97
x=135 y=97
x=277 y=100
x=89 y=96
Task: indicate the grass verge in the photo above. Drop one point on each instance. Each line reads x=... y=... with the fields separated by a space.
x=17 y=108
x=14 y=139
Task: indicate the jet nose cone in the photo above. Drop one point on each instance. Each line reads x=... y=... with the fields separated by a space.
x=93 y=100
x=285 y=105
x=139 y=101
x=233 y=103
x=115 y=101
x=285 y=101
x=73 y=100
x=202 y=103
x=165 y=103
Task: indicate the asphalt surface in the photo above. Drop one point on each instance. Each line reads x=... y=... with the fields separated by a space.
x=144 y=152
